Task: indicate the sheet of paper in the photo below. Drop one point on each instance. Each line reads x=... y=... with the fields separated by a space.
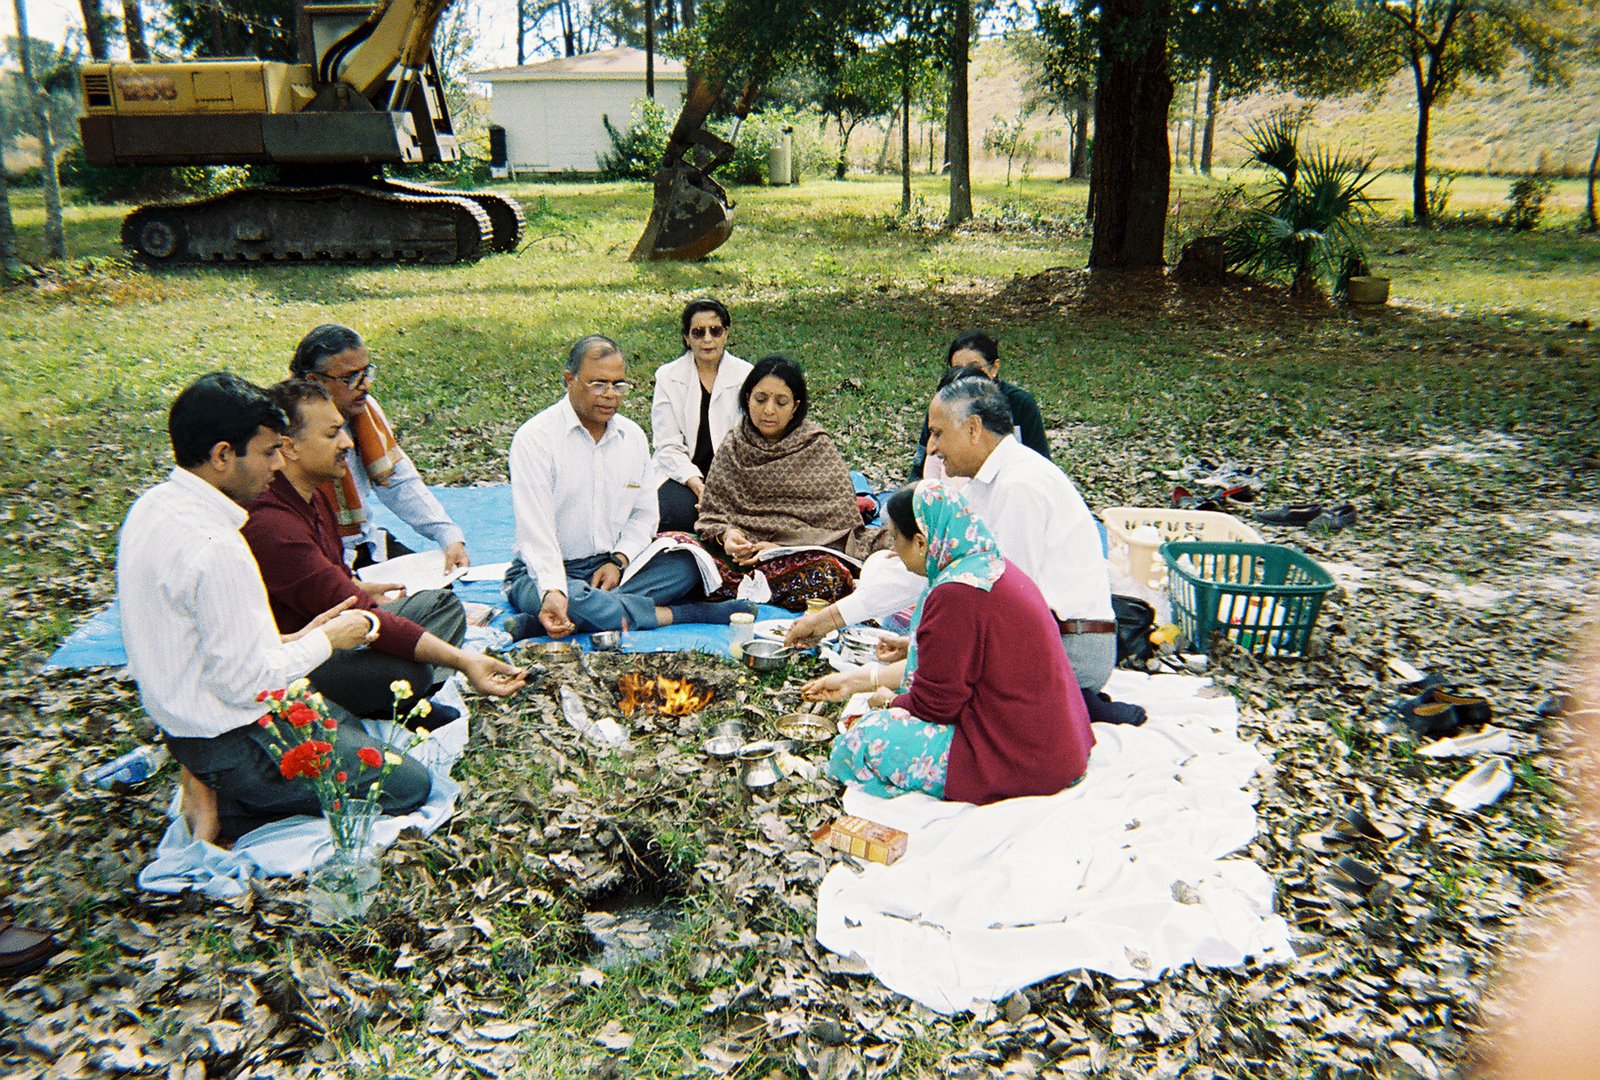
x=422 y=570
x=493 y=571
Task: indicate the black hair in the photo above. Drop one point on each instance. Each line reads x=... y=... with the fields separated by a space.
x=952 y=374
x=981 y=398
x=978 y=342
x=219 y=408
x=785 y=369
x=902 y=513
x=705 y=303
x=596 y=344
x=290 y=395
x=329 y=339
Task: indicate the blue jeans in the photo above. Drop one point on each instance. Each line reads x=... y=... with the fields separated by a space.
x=670 y=576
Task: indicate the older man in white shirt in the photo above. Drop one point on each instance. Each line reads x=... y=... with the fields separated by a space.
x=200 y=635
x=584 y=494
x=1040 y=521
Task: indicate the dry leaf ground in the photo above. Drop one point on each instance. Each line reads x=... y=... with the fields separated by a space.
x=1463 y=428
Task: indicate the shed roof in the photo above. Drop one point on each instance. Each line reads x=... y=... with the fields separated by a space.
x=620 y=63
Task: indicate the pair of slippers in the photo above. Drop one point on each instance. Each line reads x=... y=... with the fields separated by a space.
x=1217 y=502
x=1436 y=711
x=1313 y=515
x=1202 y=472
x=1351 y=880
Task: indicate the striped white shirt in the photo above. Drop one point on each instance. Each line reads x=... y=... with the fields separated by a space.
x=199 y=633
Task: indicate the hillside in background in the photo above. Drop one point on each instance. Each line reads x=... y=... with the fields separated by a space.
x=1507 y=126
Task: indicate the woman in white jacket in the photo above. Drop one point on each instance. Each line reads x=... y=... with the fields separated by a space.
x=696 y=404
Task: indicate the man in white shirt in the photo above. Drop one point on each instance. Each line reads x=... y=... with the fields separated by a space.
x=199 y=632
x=336 y=357
x=584 y=493
x=1040 y=521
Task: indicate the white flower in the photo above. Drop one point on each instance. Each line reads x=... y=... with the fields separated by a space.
x=299 y=686
x=422 y=708
x=391 y=757
x=400 y=688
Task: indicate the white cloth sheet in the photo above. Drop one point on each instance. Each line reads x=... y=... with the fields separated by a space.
x=297 y=844
x=1126 y=873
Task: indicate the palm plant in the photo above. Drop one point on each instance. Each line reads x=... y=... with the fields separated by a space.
x=1307 y=227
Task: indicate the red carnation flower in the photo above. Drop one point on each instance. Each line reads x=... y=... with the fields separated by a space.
x=276 y=695
x=370 y=757
x=341 y=776
x=261 y=696
x=329 y=722
x=300 y=714
x=266 y=720
x=308 y=759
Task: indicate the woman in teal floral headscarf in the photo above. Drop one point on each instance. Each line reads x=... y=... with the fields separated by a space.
x=984 y=711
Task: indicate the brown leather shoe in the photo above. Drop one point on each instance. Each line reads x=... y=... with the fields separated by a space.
x=23 y=951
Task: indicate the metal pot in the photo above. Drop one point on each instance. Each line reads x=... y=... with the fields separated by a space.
x=758 y=765
x=767 y=656
x=605 y=640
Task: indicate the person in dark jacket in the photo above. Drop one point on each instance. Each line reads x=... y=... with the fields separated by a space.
x=980 y=352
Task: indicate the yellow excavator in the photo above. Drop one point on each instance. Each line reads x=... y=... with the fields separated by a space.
x=371 y=98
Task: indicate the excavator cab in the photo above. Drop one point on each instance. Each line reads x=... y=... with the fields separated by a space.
x=373 y=97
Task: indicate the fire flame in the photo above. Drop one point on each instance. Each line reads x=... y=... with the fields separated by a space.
x=672 y=697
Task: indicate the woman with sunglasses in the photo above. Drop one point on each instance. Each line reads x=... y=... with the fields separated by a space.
x=696 y=404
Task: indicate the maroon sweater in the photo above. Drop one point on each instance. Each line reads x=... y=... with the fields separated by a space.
x=991 y=663
x=297 y=546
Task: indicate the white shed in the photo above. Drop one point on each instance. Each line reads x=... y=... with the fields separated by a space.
x=551 y=111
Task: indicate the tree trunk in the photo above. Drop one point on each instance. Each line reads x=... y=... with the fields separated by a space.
x=55 y=235
x=687 y=7
x=1194 y=121
x=843 y=164
x=1210 y=137
x=1419 y=170
x=94 y=28
x=1132 y=172
x=1080 y=143
x=133 y=28
x=650 y=49
x=522 y=32
x=905 y=130
x=1594 y=167
x=10 y=265
x=956 y=122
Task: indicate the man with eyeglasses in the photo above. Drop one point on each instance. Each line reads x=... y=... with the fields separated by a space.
x=335 y=357
x=585 y=498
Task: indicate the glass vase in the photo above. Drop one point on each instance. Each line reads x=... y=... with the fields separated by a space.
x=344 y=886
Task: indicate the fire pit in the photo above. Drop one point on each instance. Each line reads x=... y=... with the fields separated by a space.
x=662 y=694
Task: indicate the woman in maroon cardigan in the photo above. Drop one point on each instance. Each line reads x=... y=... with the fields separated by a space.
x=989 y=708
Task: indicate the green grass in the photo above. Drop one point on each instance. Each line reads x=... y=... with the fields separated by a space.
x=1131 y=378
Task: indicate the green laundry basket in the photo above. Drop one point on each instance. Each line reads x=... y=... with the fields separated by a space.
x=1264 y=597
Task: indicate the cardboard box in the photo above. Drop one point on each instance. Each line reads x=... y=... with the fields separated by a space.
x=864 y=839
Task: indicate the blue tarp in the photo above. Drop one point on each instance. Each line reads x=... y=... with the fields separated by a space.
x=485 y=515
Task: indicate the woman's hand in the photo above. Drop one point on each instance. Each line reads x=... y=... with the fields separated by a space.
x=893 y=648
x=741 y=549
x=881 y=698
x=835 y=687
x=698 y=486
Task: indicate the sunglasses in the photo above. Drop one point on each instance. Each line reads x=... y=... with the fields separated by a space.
x=698 y=332
x=354 y=379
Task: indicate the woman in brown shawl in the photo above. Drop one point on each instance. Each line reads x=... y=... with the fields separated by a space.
x=777 y=480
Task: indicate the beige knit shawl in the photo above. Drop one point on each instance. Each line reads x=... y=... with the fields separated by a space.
x=792 y=491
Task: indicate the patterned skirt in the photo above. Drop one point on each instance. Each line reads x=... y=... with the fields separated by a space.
x=889 y=752
x=794 y=579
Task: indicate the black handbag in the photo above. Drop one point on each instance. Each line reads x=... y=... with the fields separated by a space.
x=1135 y=620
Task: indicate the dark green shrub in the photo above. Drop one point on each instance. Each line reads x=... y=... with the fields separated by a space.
x=1527 y=197
x=636 y=153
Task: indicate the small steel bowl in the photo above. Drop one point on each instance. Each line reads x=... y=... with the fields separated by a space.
x=758 y=765
x=805 y=728
x=556 y=650
x=723 y=746
x=605 y=640
x=734 y=728
x=767 y=656
x=858 y=645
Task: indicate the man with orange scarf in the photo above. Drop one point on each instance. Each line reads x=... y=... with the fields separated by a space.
x=336 y=357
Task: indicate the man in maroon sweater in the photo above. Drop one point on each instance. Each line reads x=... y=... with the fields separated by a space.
x=295 y=537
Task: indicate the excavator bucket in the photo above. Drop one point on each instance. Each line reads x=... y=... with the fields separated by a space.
x=696 y=215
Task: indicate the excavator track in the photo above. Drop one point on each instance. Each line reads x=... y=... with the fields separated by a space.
x=320 y=223
x=505 y=214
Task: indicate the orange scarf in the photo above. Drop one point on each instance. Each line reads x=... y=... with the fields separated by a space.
x=380 y=453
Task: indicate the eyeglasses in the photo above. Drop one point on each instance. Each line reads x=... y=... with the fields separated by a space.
x=698 y=332
x=601 y=386
x=355 y=378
